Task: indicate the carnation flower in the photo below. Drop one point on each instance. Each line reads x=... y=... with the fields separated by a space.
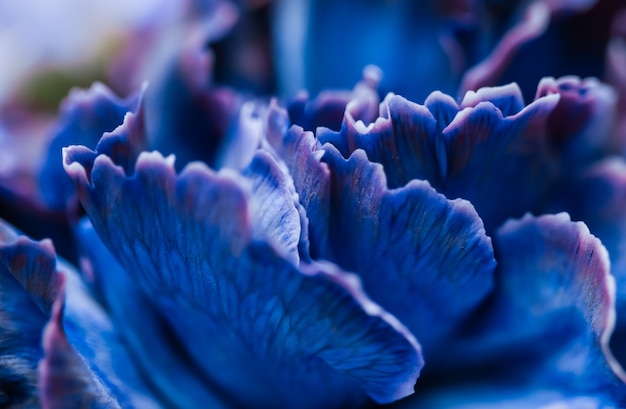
x=339 y=251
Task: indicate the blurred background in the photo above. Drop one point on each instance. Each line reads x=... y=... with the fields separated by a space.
x=281 y=47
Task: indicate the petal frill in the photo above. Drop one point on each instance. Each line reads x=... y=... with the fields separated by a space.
x=503 y=165
x=404 y=140
x=269 y=183
x=326 y=109
x=274 y=207
x=329 y=107
x=551 y=314
x=299 y=151
x=507 y=98
x=85 y=116
x=489 y=149
x=28 y=286
x=125 y=142
x=414 y=249
x=581 y=125
x=598 y=198
x=64 y=379
x=31 y=284
x=270 y=333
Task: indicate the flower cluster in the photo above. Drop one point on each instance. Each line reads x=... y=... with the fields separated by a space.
x=417 y=250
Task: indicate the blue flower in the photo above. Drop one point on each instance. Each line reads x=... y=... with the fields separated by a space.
x=333 y=252
x=233 y=274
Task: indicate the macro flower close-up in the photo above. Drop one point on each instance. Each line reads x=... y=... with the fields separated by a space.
x=313 y=204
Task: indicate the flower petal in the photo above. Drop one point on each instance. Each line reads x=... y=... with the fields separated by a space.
x=151 y=342
x=275 y=216
x=616 y=77
x=404 y=38
x=91 y=334
x=443 y=108
x=476 y=153
x=29 y=285
x=85 y=116
x=535 y=22
x=403 y=140
x=581 y=124
x=414 y=249
x=299 y=151
x=27 y=288
x=193 y=252
x=31 y=265
x=574 y=43
x=186 y=114
x=329 y=107
x=599 y=199
x=243 y=139
x=486 y=154
x=552 y=312
x=65 y=381
x=508 y=98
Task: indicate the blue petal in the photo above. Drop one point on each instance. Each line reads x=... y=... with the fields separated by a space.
x=581 y=125
x=443 y=108
x=85 y=116
x=414 y=249
x=552 y=312
x=91 y=334
x=273 y=205
x=508 y=98
x=31 y=265
x=299 y=151
x=32 y=284
x=536 y=19
x=574 y=42
x=243 y=140
x=28 y=285
x=599 y=199
x=186 y=114
x=271 y=334
x=328 y=108
x=403 y=38
x=403 y=140
x=64 y=379
x=503 y=165
x=150 y=340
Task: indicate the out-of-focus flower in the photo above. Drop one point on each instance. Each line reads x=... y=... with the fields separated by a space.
x=337 y=251
x=452 y=46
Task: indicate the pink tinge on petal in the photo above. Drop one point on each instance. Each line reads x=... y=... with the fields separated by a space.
x=64 y=380
x=616 y=76
x=489 y=71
